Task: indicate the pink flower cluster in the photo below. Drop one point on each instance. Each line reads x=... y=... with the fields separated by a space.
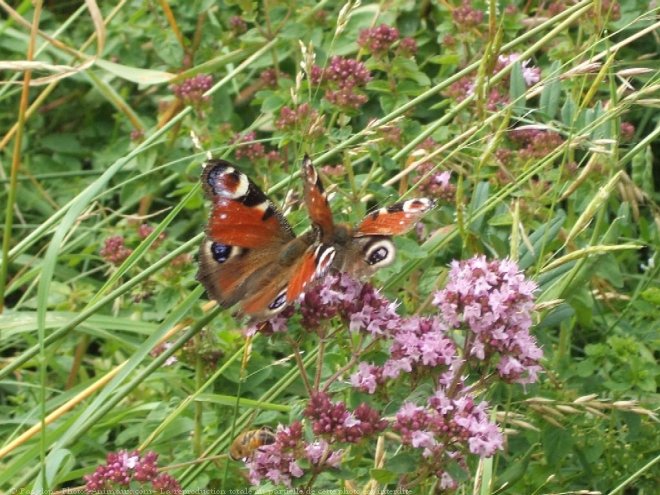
x=344 y=76
x=535 y=143
x=237 y=24
x=144 y=230
x=247 y=148
x=363 y=307
x=531 y=74
x=446 y=423
x=418 y=343
x=303 y=117
x=335 y=422
x=334 y=170
x=408 y=46
x=347 y=73
x=627 y=131
x=159 y=349
x=436 y=184
x=466 y=16
x=493 y=300
x=191 y=91
x=498 y=95
x=279 y=461
x=346 y=98
x=445 y=427
x=269 y=78
x=378 y=40
x=137 y=135
x=390 y=134
x=124 y=467
x=114 y=250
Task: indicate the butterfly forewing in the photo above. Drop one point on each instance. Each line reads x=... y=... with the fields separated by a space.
x=242 y=214
x=317 y=201
x=396 y=219
x=251 y=255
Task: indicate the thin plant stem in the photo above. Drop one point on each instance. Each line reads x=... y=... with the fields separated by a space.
x=301 y=367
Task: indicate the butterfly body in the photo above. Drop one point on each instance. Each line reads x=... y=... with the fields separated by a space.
x=252 y=257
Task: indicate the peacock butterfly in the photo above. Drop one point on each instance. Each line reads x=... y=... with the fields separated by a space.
x=252 y=258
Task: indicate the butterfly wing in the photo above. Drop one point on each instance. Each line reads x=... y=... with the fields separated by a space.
x=371 y=247
x=242 y=214
x=251 y=255
x=281 y=284
x=317 y=201
x=396 y=219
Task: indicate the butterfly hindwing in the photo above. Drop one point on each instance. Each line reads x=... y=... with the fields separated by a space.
x=284 y=283
x=251 y=255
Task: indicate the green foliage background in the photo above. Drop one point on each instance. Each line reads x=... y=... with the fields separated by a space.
x=104 y=146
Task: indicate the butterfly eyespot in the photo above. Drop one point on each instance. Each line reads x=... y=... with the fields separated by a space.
x=220 y=252
x=227 y=182
x=279 y=301
x=377 y=256
x=379 y=252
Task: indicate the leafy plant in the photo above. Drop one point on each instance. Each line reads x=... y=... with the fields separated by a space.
x=532 y=125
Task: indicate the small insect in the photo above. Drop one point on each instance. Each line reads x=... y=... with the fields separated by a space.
x=246 y=444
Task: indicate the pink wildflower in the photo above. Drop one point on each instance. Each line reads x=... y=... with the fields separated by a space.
x=192 y=90
x=467 y=17
x=250 y=150
x=123 y=467
x=494 y=301
x=114 y=251
x=378 y=40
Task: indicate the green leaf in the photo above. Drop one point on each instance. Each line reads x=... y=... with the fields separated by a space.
x=539 y=238
x=568 y=112
x=407 y=68
x=62 y=143
x=383 y=476
x=642 y=170
x=601 y=131
x=549 y=101
x=447 y=59
x=272 y=103
x=585 y=368
x=557 y=443
x=145 y=77
x=517 y=87
x=380 y=86
x=516 y=470
x=479 y=197
x=502 y=220
x=610 y=269
x=293 y=31
x=58 y=462
x=456 y=471
x=402 y=463
x=561 y=313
